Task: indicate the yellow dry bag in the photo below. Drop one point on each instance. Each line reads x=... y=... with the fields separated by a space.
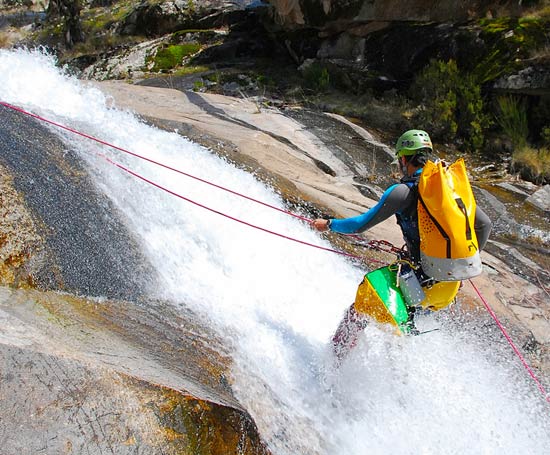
x=446 y=213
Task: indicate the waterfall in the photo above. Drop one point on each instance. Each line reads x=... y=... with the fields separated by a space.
x=277 y=303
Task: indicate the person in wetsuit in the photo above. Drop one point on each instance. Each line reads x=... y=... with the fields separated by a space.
x=400 y=199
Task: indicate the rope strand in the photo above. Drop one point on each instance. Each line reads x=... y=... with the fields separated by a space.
x=150 y=182
x=511 y=342
x=381 y=245
x=157 y=163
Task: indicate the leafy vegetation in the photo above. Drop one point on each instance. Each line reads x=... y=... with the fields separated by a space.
x=316 y=77
x=512 y=118
x=510 y=41
x=531 y=163
x=190 y=69
x=198 y=86
x=450 y=104
x=98 y=20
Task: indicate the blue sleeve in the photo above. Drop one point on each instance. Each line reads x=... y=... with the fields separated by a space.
x=393 y=200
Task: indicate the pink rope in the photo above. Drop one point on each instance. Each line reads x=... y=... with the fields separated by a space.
x=107 y=144
x=509 y=339
x=150 y=182
x=485 y=303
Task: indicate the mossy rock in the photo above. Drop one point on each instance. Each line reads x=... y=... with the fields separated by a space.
x=509 y=41
x=172 y=56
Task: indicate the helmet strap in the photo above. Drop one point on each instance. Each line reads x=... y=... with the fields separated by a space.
x=404 y=164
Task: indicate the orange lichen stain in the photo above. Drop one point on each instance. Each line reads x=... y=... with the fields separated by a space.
x=18 y=234
x=203 y=427
x=75 y=308
x=7 y=277
x=131 y=441
x=28 y=283
x=172 y=435
x=16 y=260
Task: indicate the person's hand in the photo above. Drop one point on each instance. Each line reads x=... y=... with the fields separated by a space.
x=320 y=225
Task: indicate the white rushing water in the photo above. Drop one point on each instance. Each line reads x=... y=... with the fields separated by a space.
x=278 y=302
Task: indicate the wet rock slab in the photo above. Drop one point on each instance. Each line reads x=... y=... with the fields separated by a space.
x=119 y=373
x=541 y=199
x=80 y=376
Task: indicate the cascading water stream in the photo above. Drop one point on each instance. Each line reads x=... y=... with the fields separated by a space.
x=277 y=302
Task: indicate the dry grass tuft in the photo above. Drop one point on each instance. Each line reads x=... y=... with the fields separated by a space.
x=532 y=163
x=4 y=40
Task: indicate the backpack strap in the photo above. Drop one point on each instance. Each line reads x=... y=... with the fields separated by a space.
x=408 y=220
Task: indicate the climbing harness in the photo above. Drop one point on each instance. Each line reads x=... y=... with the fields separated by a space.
x=380 y=245
x=386 y=247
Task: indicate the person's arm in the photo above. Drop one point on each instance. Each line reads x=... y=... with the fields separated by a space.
x=482 y=226
x=393 y=199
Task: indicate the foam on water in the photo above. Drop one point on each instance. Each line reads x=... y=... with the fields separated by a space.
x=278 y=302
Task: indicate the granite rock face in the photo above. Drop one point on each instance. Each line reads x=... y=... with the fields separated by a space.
x=83 y=376
x=113 y=372
x=332 y=14
x=126 y=374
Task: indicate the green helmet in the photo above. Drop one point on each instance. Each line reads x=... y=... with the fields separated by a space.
x=411 y=142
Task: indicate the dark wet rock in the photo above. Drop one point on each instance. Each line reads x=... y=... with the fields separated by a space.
x=366 y=160
x=86 y=249
x=503 y=221
x=368 y=190
x=511 y=253
x=532 y=80
x=155 y=19
x=332 y=14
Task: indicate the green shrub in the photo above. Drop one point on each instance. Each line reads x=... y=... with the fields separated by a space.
x=198 y=86
x=545 y=135
x=316 y=77
x=471 y=116
x=433 y=88
x=451 y=104
x=512 y=118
